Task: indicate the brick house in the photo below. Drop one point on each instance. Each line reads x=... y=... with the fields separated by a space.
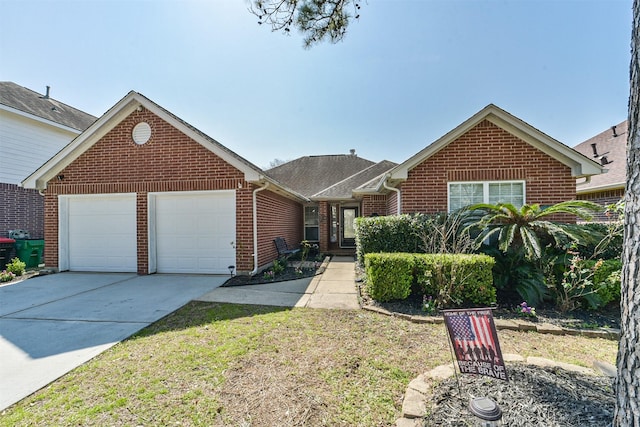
x=33 y=127
x=142 y=190
x=609 y=148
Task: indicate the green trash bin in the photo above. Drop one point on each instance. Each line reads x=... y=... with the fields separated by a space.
x=30 y=251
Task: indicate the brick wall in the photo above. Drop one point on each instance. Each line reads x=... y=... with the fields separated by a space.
x=169 y=161
x=277 y=217
x=21 y=208
x=603 y=198
x=324 y=220
x=486 y=153
x=374 y=204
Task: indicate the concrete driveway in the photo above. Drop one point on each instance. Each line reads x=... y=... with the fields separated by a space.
x=51 y=324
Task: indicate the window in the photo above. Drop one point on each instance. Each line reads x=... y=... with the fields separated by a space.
x=463 y=194
x=311 y=229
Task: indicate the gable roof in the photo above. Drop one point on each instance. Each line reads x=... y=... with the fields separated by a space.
x=132 y=101
x=611 y=151
x=311 y=175
x=25 y=101
x=580 y=165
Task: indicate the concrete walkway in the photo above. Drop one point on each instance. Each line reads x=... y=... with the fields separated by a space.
x=333 y=289
x=49 y=325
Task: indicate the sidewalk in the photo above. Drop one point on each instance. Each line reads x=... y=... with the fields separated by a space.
x=333 y=289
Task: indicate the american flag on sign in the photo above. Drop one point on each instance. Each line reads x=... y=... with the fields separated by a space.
x=475 y=341
x=473 y=330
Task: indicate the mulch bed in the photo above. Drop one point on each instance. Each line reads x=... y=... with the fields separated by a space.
x=579 y=319
x=533 y=396
x=294 y=270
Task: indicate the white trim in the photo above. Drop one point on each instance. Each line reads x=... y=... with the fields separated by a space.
x=485 y=189
x=609 y=187
x=39 y=119
x=254 y=199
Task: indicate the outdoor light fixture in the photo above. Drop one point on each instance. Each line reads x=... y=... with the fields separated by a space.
x=487 y=411
x=231 y=268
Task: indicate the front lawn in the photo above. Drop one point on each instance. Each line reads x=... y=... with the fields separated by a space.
x=214 y=364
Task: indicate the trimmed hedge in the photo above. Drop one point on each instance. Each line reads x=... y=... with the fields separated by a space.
x=389 y=276
x=454 y=280
x=386 y=234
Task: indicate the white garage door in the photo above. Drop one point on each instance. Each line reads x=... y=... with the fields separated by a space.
x=194 y=231
x=101 y=232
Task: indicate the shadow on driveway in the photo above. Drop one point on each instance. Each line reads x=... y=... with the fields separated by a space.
x=51 y=324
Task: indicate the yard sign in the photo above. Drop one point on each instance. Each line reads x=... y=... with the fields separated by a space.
x=475 y=342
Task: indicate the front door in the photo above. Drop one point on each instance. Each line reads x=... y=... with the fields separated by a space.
x=348 y=217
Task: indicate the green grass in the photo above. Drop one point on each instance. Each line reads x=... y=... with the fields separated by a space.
x=233 y=365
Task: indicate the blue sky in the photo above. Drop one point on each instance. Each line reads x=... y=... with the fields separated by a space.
x=407 y=72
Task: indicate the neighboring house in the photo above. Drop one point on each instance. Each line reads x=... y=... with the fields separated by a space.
x=608 y=148
x=33 y=127
x=142 y=190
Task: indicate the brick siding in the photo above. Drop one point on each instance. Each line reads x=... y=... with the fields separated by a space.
x=277 y=217
x=169 y=161
x=21 y=208
x=486 y=153
x=374 y=204
x=603 y=198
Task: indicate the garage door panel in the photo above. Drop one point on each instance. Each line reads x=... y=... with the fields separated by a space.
x=102 y=233
x=194 y=232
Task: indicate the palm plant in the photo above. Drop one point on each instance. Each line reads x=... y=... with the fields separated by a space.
x=521 y=237
x=527 y=228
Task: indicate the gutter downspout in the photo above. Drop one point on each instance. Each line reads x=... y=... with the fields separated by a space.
x=384 y=184
x=587 y=179
x=255 y=228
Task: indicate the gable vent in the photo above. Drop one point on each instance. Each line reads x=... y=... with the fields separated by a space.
x=141 y=133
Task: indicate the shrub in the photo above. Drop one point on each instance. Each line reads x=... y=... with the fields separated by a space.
x=456 y=280
x=386 y=234
x=415 y=233
x=604 y=241
x=606 y=280
x=6 y=276
x=16 y=267
x=389 y=275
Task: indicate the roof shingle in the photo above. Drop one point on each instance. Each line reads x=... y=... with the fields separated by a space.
x=613 y=148
x=310 y=175
x=31 y=102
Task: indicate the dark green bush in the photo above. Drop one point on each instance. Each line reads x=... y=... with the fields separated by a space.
x=609 y=248
x=389 y=275
x=606 y=280
x=456 y=280
x=415 y=233
x=386 y=234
